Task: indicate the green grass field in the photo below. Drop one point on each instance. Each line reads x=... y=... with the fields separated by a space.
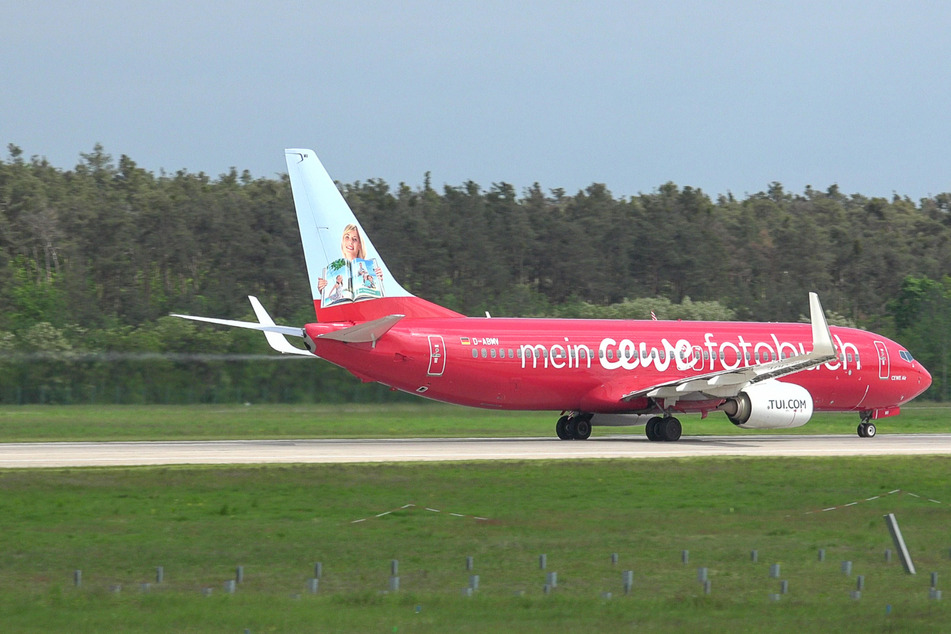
x=118 y=525
x=199 y=523
x=425 y=419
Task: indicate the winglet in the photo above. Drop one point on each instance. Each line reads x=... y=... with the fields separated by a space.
x=821 y=336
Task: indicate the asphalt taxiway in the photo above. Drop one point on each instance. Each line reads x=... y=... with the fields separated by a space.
x=103 y=454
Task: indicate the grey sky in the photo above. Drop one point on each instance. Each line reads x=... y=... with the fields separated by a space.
x=724 y=96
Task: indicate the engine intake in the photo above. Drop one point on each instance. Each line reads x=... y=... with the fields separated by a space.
x=770 y=405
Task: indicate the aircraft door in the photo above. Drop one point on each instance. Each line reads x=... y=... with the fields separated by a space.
x=437 y=355
x=884 y=368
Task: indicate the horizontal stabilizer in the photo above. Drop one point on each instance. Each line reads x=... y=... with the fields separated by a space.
x=368 y=332
x=275 y=334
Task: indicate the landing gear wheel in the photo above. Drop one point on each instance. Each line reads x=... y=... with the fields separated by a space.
x=651 y=428
x=666 y=429
x=671 y=430
x=561 y=428
x=867 y=430
x=582 y=429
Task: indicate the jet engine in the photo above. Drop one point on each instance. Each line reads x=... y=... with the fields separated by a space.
x=770 y=405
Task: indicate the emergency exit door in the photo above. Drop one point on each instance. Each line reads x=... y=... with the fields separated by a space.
x=884 y=368
x=437 y=355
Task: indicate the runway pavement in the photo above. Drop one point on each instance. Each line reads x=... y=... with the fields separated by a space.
x=98 y=454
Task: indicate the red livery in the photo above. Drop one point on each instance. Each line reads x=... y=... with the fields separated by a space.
x=595 y=372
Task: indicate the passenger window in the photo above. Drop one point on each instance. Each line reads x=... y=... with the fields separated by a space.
x=484 y=353
x=475 y=353
x=492 y=353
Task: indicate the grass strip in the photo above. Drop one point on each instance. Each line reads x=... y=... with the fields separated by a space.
x=199 y=524
x=422 y=420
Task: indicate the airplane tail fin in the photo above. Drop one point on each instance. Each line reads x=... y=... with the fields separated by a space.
x=349 y=280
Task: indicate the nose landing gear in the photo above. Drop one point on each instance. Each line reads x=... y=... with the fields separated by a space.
x=866 y=428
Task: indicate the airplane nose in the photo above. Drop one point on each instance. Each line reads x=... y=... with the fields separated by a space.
x=924 y=379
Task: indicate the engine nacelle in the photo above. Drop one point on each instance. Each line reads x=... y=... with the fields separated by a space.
x=770 y=405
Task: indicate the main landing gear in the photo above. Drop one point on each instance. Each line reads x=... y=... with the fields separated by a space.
x=666 y=429
x=574 y=427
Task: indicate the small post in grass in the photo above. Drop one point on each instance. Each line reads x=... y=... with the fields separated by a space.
x=628 y=579
x=900 y=546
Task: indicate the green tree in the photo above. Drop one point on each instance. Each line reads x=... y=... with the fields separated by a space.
x=922 y=314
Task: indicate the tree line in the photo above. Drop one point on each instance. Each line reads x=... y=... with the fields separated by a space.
x=94 y=258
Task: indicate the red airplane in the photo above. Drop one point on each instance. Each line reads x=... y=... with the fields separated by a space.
x=595 y=372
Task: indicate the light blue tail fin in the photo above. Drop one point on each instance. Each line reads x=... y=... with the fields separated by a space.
x=349 y=280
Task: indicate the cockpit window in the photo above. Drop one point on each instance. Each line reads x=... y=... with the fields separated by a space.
x=904 y=354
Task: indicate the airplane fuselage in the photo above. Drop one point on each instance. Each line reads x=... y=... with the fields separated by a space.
x=590 y=365
x=596 y=372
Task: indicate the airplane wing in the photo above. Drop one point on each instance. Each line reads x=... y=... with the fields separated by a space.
x=729 y=383
x=275 y=334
